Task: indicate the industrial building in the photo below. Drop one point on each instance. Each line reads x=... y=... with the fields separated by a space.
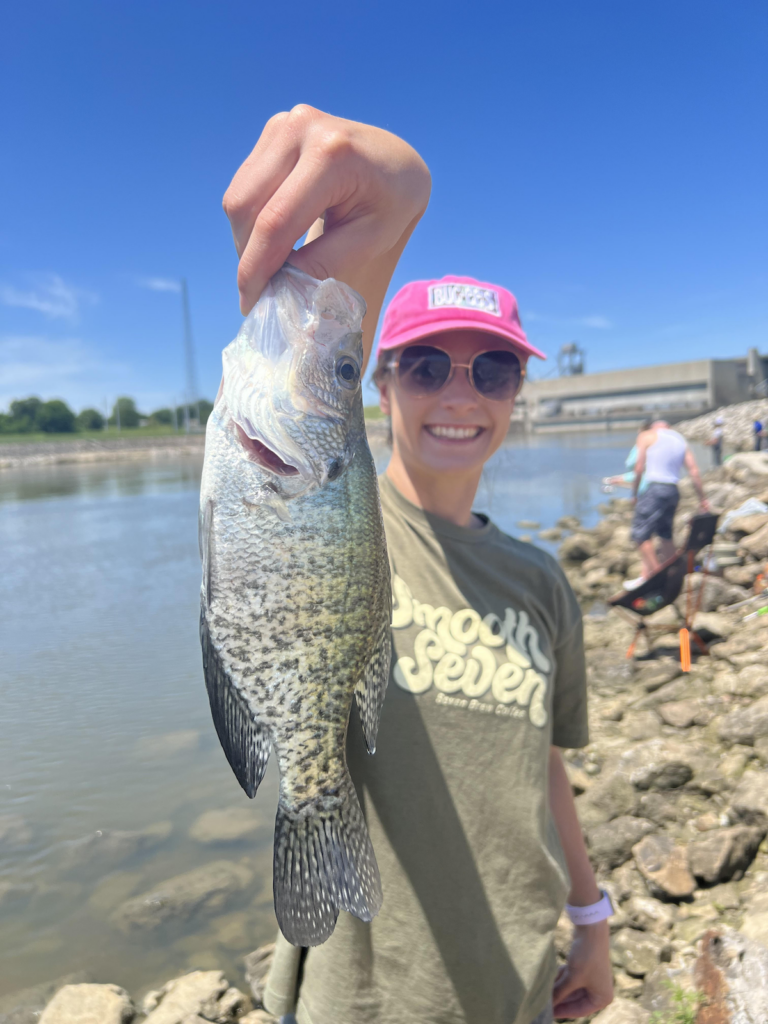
x=622 y=399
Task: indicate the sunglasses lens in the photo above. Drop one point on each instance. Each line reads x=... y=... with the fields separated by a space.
x=496 y=374
x=423 y=370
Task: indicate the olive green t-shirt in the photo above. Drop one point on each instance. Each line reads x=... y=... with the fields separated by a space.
x=487 y=673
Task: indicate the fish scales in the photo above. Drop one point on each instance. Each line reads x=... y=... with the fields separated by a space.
x=295 y=617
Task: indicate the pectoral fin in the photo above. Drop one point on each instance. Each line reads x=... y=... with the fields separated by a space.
x=245 y=742
x=273 y=502
x=205 y=542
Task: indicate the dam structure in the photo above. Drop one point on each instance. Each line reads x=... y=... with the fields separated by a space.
x=622 y=399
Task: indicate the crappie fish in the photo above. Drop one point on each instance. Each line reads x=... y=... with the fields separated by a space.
x=296 y=606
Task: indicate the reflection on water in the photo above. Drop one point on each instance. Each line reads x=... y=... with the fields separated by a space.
x=108 y=758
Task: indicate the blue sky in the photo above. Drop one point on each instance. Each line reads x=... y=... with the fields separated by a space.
x=606 y=161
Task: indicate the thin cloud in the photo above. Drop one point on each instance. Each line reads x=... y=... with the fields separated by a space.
x=159 y=284
x=51 y=296
x=600 y=323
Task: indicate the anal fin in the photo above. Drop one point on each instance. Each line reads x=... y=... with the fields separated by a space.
x=372 y=687
x=245 y=742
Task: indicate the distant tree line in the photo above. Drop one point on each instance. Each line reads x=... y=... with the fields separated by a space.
x=32 y=416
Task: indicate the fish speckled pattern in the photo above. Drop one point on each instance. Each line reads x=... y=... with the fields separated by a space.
x=295 y=612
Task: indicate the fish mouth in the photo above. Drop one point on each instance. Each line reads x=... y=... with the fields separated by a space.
x=263 y=456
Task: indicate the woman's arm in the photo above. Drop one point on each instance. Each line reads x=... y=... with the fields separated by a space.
x=642 y=449
x=360 y=189
x=585 y=984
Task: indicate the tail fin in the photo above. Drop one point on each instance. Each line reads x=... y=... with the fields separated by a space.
x=324 y=862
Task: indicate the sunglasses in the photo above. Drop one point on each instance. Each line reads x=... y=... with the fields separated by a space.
x=425 y=370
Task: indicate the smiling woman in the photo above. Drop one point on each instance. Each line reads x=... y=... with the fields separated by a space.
x=451 y=361
x=487 y=676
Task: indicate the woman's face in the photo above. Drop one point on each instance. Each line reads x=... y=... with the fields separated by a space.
x=456 y=430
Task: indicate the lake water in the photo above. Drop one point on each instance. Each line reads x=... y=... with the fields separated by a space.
x=105 y=726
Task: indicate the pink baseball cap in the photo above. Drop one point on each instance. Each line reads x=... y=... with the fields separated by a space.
x=453 y=303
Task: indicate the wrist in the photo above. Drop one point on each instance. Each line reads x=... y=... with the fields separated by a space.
x=598 y=936
x=593 y=913
x=585 y=894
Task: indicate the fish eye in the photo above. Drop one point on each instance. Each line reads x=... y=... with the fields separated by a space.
x=348 y=372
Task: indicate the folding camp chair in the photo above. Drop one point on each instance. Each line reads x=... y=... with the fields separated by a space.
x=663 y=588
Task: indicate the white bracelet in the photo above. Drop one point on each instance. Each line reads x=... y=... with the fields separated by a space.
x=592 y=914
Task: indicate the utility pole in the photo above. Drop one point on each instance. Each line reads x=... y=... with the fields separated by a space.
x=191 y=397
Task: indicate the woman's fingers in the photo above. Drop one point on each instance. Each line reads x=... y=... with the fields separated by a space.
x=369 y=186
x=307 y=192
x=578 y=1004
x=268 y=165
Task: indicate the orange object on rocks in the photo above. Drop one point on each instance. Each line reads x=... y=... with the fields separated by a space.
x=685 y=650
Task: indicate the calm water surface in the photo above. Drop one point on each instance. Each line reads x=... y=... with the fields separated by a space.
x=105 y=726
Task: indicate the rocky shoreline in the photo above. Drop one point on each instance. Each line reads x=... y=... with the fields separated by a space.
x=738 y=434
x=129 y=448
x=672 y=793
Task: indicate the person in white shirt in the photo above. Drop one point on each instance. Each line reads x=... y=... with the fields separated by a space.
x=661 y=455
x=716 y=442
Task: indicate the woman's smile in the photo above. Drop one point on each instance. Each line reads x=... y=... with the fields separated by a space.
x=447 y=432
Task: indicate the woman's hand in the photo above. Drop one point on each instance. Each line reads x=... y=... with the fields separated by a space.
x=585 y=984
x=360 y=190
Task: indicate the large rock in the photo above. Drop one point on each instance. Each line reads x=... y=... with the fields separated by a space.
x=568 y=522
x=755 y=926
x=750 y=681
x=753 y=681
x=743 y=575
x=650 y=915
x=89 y=1004
x=745 y=724
x=550 y=533
x=609 y=671
x=105 y=849
x=640 y=725
x=657 y=807
x=745 y=647
x=608 y=798
x=167 y=745
x=24 y=1006
x=682 y=714
x=206 y=994
x=748 y=524
x=257 y=967
x=611 y=843
x=721 y=854
x=716 y=592
x=757 y=543
x=664 y=867
x=205 y=889
x=578 y=548
x=748 y=467
x=659 y=764
x=639 y=952
x=652 y=675
x=750 y=801
x=226 y=825
x=732 y=974
x=622 y=1011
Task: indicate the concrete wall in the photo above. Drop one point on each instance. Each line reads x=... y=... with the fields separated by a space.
x=623 y=398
